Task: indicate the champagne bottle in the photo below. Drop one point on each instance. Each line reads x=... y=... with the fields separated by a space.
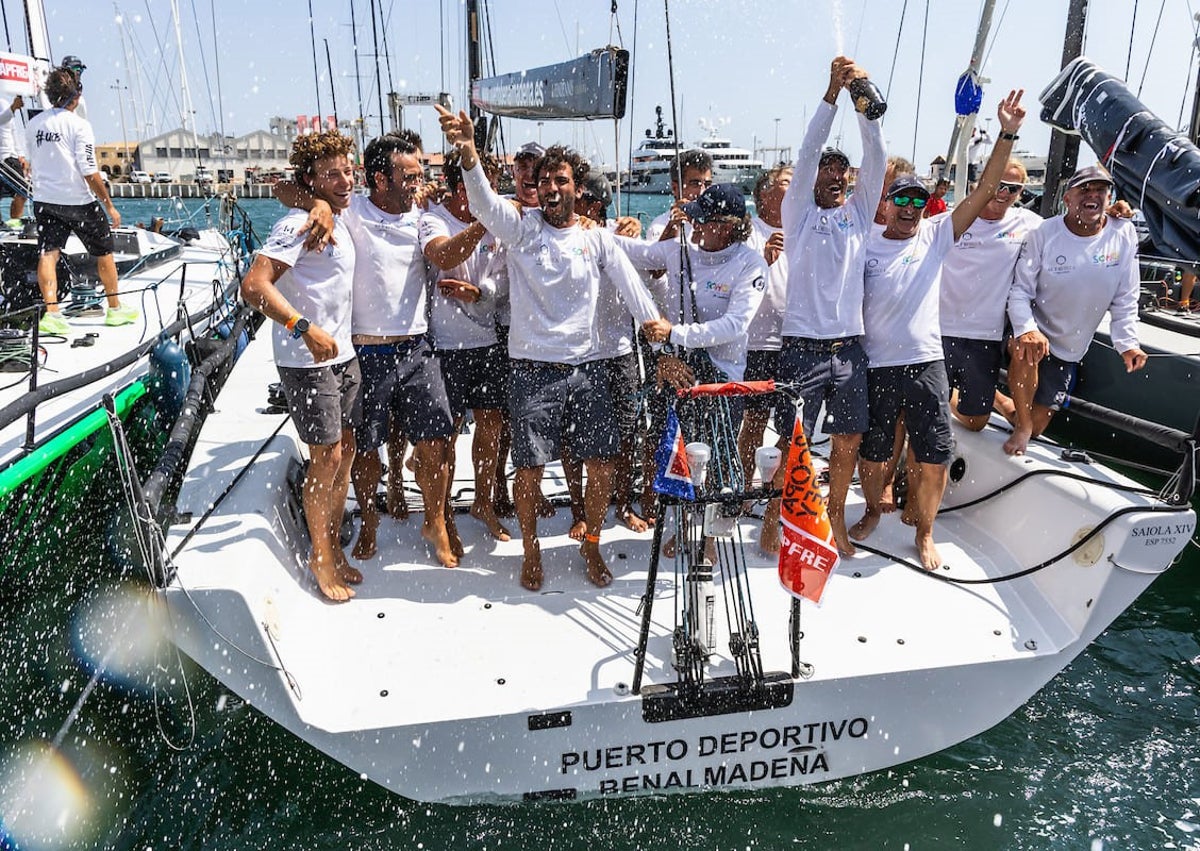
x=867 y=98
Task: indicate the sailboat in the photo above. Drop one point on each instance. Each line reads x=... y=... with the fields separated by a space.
x=53 y=439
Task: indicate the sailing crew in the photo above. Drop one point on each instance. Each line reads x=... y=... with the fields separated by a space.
x=67 y=196
x=401 y=377
x=976 y=278
x=764 y=338
x=559 y=397
x=462 y=326
x=14 y=181
x=308 y=294
x=907 y=374
x=1075 y=268
x=822 y=321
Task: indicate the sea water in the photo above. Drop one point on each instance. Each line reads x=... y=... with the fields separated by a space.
x=129 y=748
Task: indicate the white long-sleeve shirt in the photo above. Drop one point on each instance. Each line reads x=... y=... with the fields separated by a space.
x=1064 y=283
x=62 y=152
x=825 y=247
x=765 y=330
x=555 y=277
x=728 y=287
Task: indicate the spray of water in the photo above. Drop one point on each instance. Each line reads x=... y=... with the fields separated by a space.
x=837 y=14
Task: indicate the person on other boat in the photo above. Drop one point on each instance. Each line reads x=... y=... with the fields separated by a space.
x=308 y=296
x=1075 y=268
x=68 y=192
x=822 y=322
x=616 y=341
x=976 y=278
x=16 y=168
x=462 y=325
x=559 y=397
x=401 y=377
x=764 y=338
x=937 y=201
x=907 y=374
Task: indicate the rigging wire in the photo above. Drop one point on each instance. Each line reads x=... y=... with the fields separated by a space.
x=312 y=34
x=1191 y=61
x=987 y=54
x=896 y=52
x=1150 y=51
x=212 y=7
x=920 y=81
x=212 y=109
x=1132 y=30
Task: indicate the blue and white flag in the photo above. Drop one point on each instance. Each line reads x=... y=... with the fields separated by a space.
x=674 y=476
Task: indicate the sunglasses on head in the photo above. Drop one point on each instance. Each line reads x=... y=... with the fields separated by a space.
x=1011 y=188
x=905 y=200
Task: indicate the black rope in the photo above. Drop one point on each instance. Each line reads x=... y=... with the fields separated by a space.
x=1079 y=477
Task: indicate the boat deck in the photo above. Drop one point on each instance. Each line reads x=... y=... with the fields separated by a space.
x=420 y=643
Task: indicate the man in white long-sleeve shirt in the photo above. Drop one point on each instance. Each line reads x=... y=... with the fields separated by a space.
x=824 y=235
x=559 y=384
x=14 y=180
x=1075 y=267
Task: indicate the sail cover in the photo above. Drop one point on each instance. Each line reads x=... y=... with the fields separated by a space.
x=592 y=86
x=1155 y=167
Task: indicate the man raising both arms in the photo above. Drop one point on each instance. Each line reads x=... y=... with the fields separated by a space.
x=824 y=235
x=559 y=385
x=307 y=294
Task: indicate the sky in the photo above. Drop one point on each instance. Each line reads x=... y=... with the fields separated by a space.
x=755 y=68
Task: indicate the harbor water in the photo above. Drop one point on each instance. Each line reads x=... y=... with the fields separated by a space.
x=130 y=751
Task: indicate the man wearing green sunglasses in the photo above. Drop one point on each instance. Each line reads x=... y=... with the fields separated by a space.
x=902 y=337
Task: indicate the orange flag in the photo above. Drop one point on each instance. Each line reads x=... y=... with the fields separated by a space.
x=808 y=554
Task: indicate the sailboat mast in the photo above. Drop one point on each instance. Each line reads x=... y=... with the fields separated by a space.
x=362 y=121
x=1064 y=148
x=189 y=114
x=474 y=56
x=956 y=154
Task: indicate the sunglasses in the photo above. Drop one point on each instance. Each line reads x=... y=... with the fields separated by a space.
x=1011 y=188
x=905 y=200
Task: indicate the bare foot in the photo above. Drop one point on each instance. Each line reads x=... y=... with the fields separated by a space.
x=840 y=537
x=329 y=582
x=887 y=503
x=860 y=530
x=397 y=505
x=597 y=571
x=909 y=516
x=439 y=541
x=364 y=547
x=578 y=529
x=1018 y=441
x=668 y=547
x=634 y=521
x=345 y=571
x=502 y=504
x=456 y=544
x=649 y=509
x=486 y=515
x=531 y=570
x=928 y=552
x=545 y=507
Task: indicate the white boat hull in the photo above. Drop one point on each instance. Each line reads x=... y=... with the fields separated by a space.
x=459 y=685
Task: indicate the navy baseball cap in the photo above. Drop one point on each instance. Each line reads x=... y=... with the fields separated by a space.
x=74 y=62
x=907 y=184
x=1089 y=174
x=720 y=199
x=833 y=154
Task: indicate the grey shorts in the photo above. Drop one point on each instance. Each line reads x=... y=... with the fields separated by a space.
x=322 y=400
x=833 y=372
x=402 y=380
x=476 y=379
x=921 y=391
x=1056 y=380
x=623 y=380
x=555 y=406
x=973 y=368
x=762 y=365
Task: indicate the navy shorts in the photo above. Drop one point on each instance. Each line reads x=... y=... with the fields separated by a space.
x=923 y=393
x=476 y=379
x=973 y=368
x=555 y=406
x=762 y=365
x=56 y=222
x=402 y=380
x=833 y=372
x=1056 y=380
x=322 y=400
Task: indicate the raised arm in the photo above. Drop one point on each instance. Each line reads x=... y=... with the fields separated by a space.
x=804 y=171
x=1011 y=113
x=495 y=213
x=869 y=186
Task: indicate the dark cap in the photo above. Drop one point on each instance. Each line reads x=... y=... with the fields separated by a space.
x=73 y=62
x=1089 y=174
x=906 y=184
x=530 y=149
x=720 y=199
x=597 y=185
x=833 y=154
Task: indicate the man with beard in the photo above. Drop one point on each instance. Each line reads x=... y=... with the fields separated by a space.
x=822 y=321
x=1075 y=267
x=559 y=398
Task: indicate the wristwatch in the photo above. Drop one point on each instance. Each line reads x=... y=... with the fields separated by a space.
x=1009 y=137
x=300 y=328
